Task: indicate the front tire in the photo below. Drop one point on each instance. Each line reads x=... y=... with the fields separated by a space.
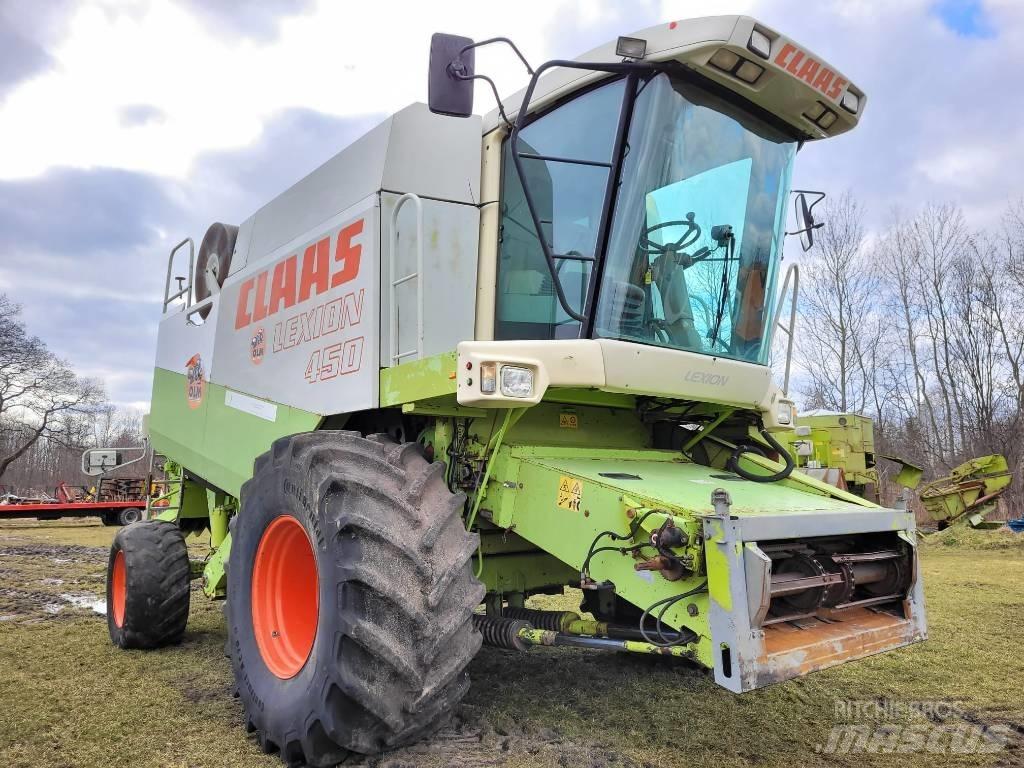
x=148 y=575
x=350 y=597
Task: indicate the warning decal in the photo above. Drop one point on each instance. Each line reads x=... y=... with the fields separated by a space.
x=570 y=493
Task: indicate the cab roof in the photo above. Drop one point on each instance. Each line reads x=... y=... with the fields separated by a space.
x=796 y=85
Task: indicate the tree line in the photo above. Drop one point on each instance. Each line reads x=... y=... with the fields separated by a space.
x=48 y=413
x=920 y=327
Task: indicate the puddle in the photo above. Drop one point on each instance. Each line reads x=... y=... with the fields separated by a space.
x=95 y=604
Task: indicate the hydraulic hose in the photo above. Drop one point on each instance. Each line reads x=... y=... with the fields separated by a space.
x=782 y=474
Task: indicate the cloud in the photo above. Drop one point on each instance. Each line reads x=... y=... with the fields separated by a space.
x=85 y=252
x=125 y=126
x=27 y=28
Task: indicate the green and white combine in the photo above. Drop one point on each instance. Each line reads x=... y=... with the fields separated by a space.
x=471 y=359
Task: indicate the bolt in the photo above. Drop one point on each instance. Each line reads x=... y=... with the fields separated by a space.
x=692 y=609
x=274 y=633
x=586 y=513
x=469 y=382
x=630 y=513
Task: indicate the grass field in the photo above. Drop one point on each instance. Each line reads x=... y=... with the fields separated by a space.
x=68 y=698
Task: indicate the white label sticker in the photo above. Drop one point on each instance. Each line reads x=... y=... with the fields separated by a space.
x=259 y=408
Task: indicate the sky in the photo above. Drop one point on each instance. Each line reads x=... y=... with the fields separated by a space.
x=126 y=125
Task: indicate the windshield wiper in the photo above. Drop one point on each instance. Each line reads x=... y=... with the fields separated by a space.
x=722 y=234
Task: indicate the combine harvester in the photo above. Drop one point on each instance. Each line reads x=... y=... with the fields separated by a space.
x=472 y=359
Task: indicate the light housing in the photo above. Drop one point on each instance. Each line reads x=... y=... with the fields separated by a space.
x=735 y=65
x=631 y=47
x=725 y=59
x=760 y=44
x=488 y=378
x=516 y=381
x=748 y=72
x=850 y=102
x=821 y=115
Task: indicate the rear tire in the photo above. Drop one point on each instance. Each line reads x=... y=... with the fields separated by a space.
x=148 y=576
x=389 y=594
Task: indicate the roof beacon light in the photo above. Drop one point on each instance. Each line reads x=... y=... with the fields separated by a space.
x=760 y=44
x=631 y=47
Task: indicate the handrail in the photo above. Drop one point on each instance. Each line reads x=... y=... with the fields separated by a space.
x=394 y=354
x=794 y=272
x=186 y=290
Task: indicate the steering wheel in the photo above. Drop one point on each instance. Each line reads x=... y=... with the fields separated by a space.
x=689 y=237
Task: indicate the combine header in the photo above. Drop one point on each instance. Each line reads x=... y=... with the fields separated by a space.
x=472 y=359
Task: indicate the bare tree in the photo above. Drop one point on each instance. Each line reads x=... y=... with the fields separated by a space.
x=41 y=398
x=838 y=326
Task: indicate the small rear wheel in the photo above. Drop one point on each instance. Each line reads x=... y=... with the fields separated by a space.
x=148 y=576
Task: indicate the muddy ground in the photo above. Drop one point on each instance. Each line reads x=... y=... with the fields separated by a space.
x=68 y=698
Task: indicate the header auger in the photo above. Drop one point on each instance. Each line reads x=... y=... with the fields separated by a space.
x=472 y=359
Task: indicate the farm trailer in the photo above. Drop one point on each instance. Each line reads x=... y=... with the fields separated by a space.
x=470 y=359
x=115 y=502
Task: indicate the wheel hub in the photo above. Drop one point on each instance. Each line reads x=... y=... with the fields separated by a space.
x=285 y=597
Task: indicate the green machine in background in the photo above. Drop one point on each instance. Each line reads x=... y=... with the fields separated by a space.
x=970 y=492
x=836 y=448
x=839 y=449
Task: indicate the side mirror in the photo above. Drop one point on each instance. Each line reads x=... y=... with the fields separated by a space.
x=805 y=219
x=450 y=77
x=805 y=216
x=97 y=461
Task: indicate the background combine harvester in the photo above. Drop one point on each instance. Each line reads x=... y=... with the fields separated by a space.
x=839 y=449
x=472 y=359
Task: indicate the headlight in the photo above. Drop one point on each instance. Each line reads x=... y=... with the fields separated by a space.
x=516 y=381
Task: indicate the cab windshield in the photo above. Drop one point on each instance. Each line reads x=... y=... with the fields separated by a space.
x=694 y=237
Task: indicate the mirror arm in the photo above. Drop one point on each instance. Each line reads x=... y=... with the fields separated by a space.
x=819 y=225
x=819 y=196
x=453 y=72
x=505 y=40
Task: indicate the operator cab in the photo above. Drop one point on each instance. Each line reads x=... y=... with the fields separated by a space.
x=694 y=223
x=644 y=185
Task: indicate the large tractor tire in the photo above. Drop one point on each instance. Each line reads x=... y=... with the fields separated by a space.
x=350 y=597
x=148 y=576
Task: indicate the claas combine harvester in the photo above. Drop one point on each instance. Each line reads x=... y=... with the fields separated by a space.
x=472 y=359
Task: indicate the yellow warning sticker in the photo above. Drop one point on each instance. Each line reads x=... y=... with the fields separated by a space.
x=570 y=493
x=569 y=420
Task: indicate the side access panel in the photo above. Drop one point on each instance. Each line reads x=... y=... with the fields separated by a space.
x=298 y=328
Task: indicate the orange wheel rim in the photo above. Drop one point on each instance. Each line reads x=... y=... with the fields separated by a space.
x=285 y=597
x=118 y=588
